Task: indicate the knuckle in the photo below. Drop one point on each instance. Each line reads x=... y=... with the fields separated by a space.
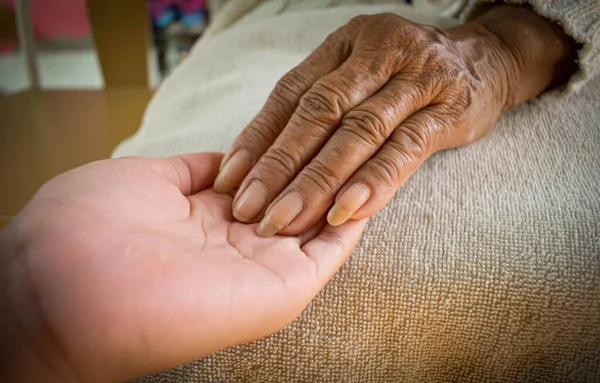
x=400 y=153
x=435 y=64
x=323 y=102
x=289 y=86
x=319 y=125
x=340 y=40
x=372 y=63
x=318 y=107
x=433 y=35
x=388 y=16
x=383 y=20
x=358 y=21
x=414 y=33
x=320 y=176
x=414 y=139
x=279 y=162
x=386 y=169
x=367 y=126
x=457 y=102
x=263 y=129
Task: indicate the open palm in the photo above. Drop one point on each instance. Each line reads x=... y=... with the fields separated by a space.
x=139 y=266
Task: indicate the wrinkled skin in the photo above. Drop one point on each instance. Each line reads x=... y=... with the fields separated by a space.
x=123 y=267
x=357 y=118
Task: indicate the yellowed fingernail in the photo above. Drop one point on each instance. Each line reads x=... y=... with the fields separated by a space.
x=280 y=215
x=233 y=172
x=348 y=204
x=252 y=202
x=223 y=161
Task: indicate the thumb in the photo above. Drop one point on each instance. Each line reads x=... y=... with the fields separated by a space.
x=332 y=248
x=190 y=173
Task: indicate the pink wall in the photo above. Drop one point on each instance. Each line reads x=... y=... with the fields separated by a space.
x=58 y=18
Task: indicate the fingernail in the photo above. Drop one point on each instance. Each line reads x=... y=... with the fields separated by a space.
x=223 y=162
x=251 y=202
x=280 y=215
x=233 y=172
x=345 y=207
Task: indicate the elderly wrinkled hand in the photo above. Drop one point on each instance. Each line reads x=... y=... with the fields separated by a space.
x=342 y=131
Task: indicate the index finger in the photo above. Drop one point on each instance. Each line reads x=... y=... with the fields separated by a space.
x=264 y=129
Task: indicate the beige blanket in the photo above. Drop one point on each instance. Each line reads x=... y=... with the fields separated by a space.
x=485 y=266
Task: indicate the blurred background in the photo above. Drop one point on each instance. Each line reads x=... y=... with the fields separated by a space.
x=75 y=78
x=64 y=44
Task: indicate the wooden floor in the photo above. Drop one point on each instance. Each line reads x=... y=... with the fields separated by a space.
x=46 y=133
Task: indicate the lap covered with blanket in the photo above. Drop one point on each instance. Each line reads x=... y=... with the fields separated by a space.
x=484 y=266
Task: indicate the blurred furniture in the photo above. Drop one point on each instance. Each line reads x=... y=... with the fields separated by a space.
x=120 y=30
x=44 y=133
x=121 y=33
x=27 y=41
x=8 y=28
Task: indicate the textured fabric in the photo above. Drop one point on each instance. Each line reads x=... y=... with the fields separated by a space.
x=228 y=12
x=580 y=19
x=484 y=267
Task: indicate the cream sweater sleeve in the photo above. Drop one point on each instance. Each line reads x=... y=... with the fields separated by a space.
x=580 y=20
